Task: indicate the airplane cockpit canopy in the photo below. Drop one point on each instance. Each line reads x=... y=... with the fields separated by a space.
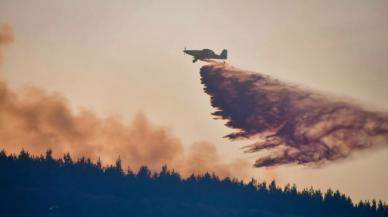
x=208 y=51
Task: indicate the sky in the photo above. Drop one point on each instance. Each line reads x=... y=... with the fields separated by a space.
x=122 y=57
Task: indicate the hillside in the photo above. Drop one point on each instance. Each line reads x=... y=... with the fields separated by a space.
x=44 y=186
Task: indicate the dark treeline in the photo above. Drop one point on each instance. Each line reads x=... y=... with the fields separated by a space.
x=44 y=186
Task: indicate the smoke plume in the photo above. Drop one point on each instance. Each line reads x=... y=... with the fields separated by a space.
x=6 y=37
x=35 y=120
x=292 y=124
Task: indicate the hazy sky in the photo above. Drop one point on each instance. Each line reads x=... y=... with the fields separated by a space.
x=126 y=56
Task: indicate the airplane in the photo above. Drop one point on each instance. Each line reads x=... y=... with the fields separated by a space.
x=205 y=54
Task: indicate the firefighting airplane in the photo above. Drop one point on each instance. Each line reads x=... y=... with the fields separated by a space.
x=206 y=54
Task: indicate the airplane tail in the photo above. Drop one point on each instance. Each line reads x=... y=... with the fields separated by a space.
x=224 y=54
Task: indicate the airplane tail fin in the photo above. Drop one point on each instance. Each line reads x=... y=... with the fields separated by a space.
x=224 y=54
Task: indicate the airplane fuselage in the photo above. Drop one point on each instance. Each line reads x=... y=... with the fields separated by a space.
x=205 y=54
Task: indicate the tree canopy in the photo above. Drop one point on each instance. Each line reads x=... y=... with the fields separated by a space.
x=44 y=186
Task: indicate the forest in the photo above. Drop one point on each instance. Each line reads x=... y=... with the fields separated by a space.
x=46 y=186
